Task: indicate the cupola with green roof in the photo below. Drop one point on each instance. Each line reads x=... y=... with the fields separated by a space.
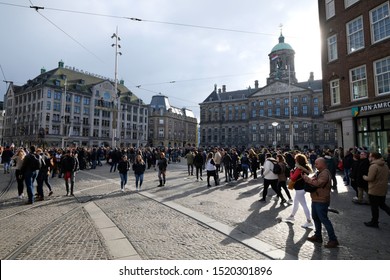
x=281 y=59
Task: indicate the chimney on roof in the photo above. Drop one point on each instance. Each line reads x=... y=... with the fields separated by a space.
x=223 y=88
x=311 y=78
x=43 y=70
x=215 y=87
x=256 y=84
x=122 y=82
x=61 y=64
x=219 y=90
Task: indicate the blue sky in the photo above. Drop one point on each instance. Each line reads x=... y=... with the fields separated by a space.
x=165 y=53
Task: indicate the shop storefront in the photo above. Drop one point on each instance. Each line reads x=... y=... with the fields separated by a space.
x=372 y=126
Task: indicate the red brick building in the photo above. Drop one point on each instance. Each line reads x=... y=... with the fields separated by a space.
x=355 y=38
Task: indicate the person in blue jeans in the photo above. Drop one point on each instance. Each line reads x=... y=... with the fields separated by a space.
x=29 y=171
x=139 y=169
x=123 y=168
x=320 y=203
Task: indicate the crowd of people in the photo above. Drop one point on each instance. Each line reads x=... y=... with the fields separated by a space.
x=313 y=171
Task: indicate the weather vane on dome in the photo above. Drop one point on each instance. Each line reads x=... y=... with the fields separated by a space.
x=281 y=28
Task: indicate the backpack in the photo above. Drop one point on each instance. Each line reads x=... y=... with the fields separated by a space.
x=277 y=169
x=36 y=162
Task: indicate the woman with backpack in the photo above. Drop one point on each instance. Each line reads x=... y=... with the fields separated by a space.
x=282 y=178
x=271 y=178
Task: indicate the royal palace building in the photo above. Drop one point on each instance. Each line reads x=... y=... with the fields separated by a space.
x=283 y=113
x=356 y=71
x=66 y=106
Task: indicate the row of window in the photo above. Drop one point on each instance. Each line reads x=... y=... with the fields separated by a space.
x=380 y=30
x=358 y=81
x=305 y=137
x=262 y=113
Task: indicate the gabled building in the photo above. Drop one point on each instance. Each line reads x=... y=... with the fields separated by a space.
x=170 y=126
x=283 y=113
x=66 y=106
x=355 y=37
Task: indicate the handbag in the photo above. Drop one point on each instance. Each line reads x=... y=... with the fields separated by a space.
x=291 y=184
x=309 y=188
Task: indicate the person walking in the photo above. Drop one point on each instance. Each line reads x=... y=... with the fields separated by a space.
x=301 y=167
x=123 y=169
x=198 y=163
x=162 y=164
x=354 y=175
x=190 y=162
x=320 y=198
x=332 y=167
x=69 y=165
x=377 y=178
x=114 y=156
x=254 y=160
x=347 y=165
x=6 y=157
x=227 y=163
x=18 y=159
x=139 y=167
x=43 y=175
x=245 y=163
x=211 y=169
x=282 y=178
x=270 y=178
x=29 y=170
x=364 y=165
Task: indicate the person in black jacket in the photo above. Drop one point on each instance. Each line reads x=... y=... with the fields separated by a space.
x=29 y=171
x=354 y=174
x=43 y=174
x=123 y=168
x=364 y=165
x=347 y=164
x=69 y=165
x=139 y=170
x=6 y=156
x=162 y=164
x=198 y=163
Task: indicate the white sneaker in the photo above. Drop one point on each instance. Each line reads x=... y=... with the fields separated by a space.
x=307 y=225
x=122 y=190
x=290 y=219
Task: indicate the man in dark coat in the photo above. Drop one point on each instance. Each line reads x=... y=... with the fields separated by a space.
x=364 y=165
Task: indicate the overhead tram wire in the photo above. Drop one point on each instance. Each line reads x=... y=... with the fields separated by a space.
x=143 y=20
x=67 y=34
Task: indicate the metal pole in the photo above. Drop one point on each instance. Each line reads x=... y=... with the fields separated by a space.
x=289 y=110
x=117 y=114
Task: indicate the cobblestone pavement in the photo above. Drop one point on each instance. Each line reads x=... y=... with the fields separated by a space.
x=59 y=227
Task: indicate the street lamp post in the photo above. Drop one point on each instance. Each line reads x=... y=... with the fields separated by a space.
x=275 y=124
x=116 y=130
